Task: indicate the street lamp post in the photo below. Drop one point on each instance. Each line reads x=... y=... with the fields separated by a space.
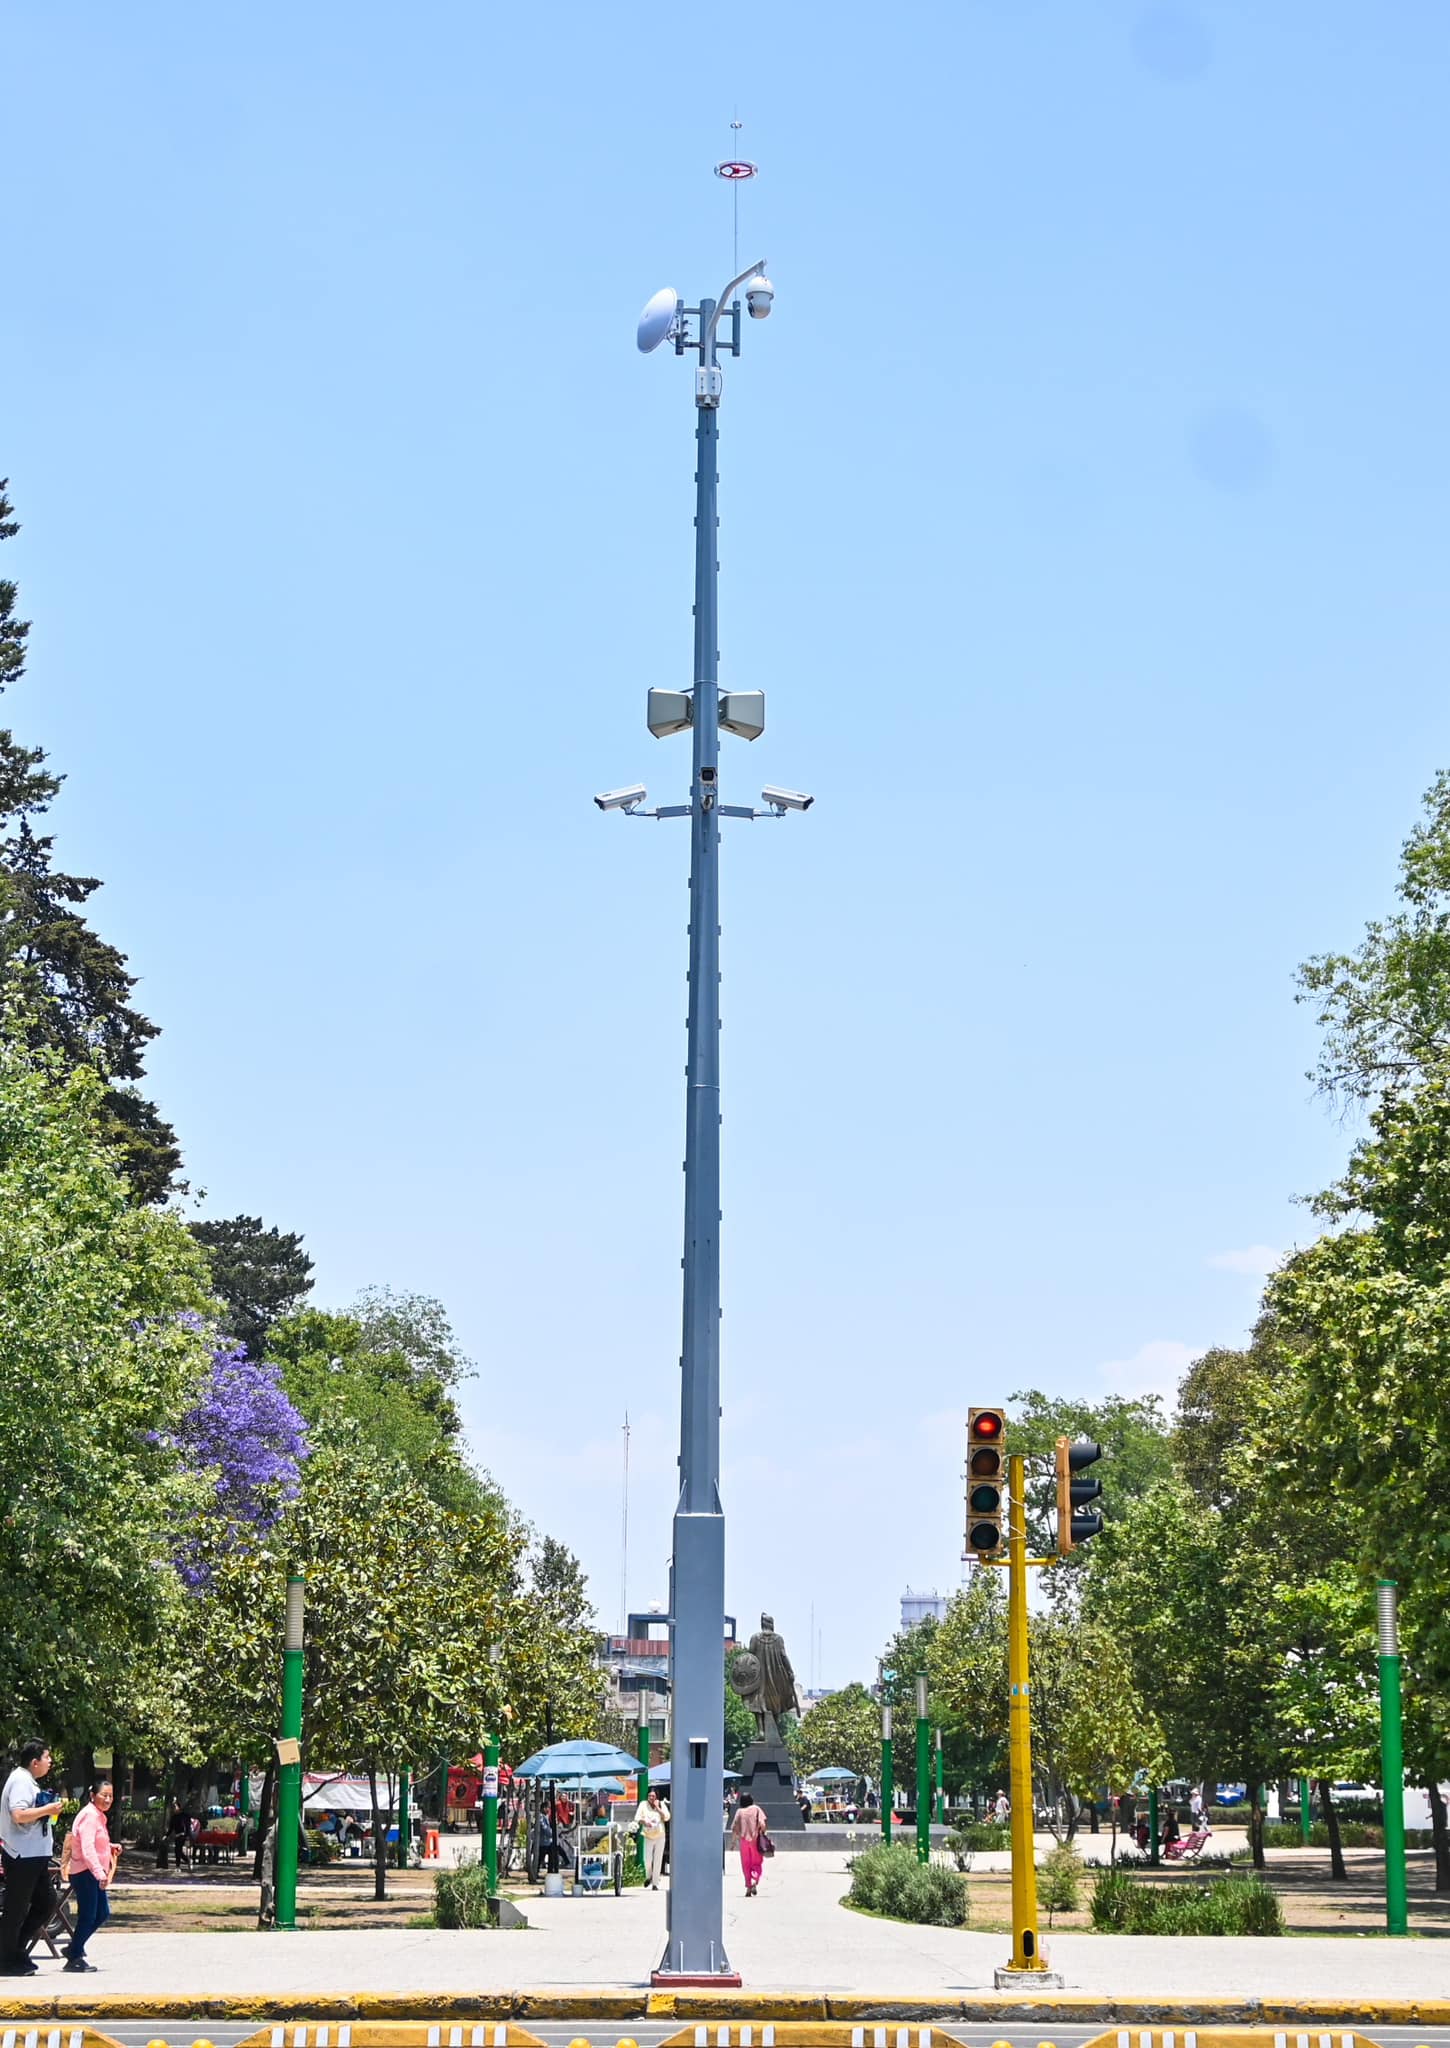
x=1392 y=1761
x=694 y=1946
x=923 y=1773
x=289 y=1755
x=888 y=1772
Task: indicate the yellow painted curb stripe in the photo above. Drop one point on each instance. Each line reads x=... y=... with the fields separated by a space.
x=77 y=2009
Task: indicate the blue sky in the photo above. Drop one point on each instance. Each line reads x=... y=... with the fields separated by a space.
x=1084 y=514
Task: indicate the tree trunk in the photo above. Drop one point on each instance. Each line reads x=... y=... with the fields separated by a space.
x=1439 y=1836
x=1331 y=1822
x=1074 y=1808
x=269 y=1786
x=1256 y=1827
x=1092 y=1816
x=380 y=1839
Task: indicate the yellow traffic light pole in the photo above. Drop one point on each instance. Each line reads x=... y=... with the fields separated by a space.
x=1026 y=1952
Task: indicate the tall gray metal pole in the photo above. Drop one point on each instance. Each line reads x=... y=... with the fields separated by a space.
x=695 y=1945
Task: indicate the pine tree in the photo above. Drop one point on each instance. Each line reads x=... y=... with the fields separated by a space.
x=260 y=1274
x=68 y=988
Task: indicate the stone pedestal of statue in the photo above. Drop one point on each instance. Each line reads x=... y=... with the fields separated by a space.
x=766 y=1774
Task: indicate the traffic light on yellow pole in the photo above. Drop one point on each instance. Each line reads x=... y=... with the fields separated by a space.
x=986 y=1482
x=1076 y=1519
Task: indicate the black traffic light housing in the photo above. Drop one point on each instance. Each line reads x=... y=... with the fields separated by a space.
x=986 y=1482
x=1075 y=1521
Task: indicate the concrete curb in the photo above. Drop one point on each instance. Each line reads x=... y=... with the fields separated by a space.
x=1069 y=2006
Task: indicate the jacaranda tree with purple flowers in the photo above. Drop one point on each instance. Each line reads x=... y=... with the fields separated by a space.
x=245 y=1430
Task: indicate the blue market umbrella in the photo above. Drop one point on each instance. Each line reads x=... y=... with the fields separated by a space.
x=659 y=1774
x=832 y=1774
x=580 y=1760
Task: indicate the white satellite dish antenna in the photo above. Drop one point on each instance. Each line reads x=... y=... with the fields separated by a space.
x=657 y=321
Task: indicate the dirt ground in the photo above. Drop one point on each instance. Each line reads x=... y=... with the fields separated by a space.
x=218 y=1898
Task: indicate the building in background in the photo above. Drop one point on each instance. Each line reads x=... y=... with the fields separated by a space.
x=919 y=1607
x=638 y=1666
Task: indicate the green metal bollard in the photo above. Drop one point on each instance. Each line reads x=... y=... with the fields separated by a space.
x=1306 y=1811
x=1392 y=1760
x=941 y=1797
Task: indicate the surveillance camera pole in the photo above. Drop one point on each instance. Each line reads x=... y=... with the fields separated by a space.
x=695 y=1945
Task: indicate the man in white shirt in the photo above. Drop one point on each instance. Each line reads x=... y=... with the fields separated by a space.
x=26 y=1812
x=650 y=1820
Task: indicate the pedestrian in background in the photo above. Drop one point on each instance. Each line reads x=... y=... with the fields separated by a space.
x=747 y=1827
x=93 y=1863
x=650 y=1819
x=26 y=1812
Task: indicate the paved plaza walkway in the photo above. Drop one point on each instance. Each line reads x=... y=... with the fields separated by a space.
x=795 y=1936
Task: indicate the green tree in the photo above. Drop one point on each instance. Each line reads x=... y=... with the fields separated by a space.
x=1135 y=1434
x=1092 y=1730
x=843 y=1729
x=1385 y=1009
x=393 y=1380
x=1219 y=1399
x=404 y=1599
x=68 y=989
x=1162 y=1579
x=260 y=1275
x=1363 y=1330
x=102 y=1346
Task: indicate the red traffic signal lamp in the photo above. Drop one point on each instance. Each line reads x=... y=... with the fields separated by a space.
x=1076 y=1521
x=986 y=1482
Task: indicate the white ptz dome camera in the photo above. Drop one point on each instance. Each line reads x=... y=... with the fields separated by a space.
x=759 y=296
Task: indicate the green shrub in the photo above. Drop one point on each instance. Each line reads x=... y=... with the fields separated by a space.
x=889 y=1880
x=460 y=1896
x=142 y=1825
x=973 y=1835
x=1353 y=1834
x=1059 y=1880
x=1124 y=1903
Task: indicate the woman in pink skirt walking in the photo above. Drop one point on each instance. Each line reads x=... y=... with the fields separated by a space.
x=747 y=1827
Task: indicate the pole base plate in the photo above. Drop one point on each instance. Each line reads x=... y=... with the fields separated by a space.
x=702 y=1980
x=1008 y=1979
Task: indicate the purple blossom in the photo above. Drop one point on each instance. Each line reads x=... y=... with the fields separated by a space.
x=246 y=1430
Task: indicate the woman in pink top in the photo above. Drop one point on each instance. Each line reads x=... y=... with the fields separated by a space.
x=747 y=1827
x=92 y=1866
